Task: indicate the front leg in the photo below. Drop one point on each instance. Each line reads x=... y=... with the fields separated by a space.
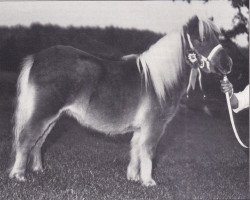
x=133 y=171
x=36 y=160
x=146 y=156
x=148 y=142
x=19 y=167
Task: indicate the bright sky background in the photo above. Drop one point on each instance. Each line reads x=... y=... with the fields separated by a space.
x=158 y=16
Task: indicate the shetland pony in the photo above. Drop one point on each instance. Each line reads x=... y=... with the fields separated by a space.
x=138 y=93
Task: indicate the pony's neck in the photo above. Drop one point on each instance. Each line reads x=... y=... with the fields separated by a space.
x=163 y=64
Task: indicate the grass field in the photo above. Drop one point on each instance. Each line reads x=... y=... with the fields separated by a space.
x=198 y=158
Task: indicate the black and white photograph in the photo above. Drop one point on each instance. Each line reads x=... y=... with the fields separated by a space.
x=124 y=100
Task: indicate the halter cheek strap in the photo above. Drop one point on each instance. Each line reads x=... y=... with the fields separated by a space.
x=201 y=61
x=195 y=59
x=189 y=41
x=195 y=71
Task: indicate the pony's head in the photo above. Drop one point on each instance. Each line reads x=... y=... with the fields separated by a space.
x=202 y=37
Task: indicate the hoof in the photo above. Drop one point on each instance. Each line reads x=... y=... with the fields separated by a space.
x=149 y=183
x=133 y=177
x=19 y=176
x=37 y=169
x=133 y=174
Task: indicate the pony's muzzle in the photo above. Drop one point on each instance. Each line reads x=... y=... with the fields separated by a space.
x=226 y=64
x=222 y=63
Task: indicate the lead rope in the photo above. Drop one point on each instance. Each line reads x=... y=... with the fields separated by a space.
x=193 y=76
x=225 y=79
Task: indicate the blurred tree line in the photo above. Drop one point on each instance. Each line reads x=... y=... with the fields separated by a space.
x=19 y=41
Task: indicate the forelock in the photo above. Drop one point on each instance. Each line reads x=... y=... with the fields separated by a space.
x=208 y=28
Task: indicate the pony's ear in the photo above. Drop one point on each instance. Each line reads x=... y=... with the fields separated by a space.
x=193 y=27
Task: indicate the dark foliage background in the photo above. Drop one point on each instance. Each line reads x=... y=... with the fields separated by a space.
x=18 y=41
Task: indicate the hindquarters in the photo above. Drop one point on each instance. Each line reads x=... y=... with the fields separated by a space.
x=35 y=114
x=45 y=88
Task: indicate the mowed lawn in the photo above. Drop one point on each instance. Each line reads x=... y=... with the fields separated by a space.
x=197 y=158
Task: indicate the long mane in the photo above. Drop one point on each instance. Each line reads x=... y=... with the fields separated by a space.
x=162 y=63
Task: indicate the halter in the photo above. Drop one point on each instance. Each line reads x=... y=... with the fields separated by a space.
x=202 y=60
x=197 y=61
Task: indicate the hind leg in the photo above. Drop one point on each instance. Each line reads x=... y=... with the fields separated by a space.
x=46 y=110
x=76 y=110
x=29 y=142
x=25 y=142
x=36 y=157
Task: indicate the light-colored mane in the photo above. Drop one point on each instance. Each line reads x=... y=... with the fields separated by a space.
x=207 y=28
x=162 y=62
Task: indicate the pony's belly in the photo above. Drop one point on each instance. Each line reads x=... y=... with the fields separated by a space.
x=111 y=128
x=109 y=107
x=116 y=123
x=113 y=110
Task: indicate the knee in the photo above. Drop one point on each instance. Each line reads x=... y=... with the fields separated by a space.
x=147 y=150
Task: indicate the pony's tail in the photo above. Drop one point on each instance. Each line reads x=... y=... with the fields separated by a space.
x=24 y=101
